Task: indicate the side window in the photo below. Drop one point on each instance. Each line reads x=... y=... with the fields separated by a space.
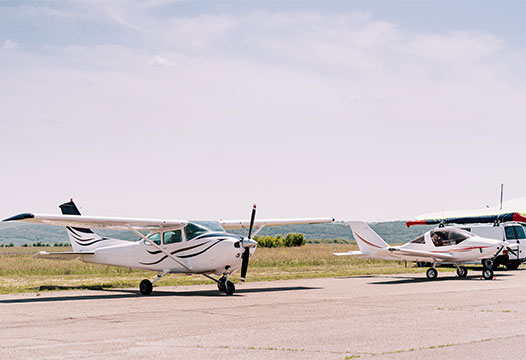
x=156 y=238
x=419 y=240
x=171 y=237
x=510 y=233
x=519 y=231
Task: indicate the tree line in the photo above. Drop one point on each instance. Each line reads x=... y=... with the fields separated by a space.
x=290 y=240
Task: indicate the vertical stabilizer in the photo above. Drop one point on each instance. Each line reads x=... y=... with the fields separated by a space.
x=368 y=241
x=83 y=239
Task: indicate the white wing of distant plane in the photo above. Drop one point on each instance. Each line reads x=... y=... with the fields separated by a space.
x=398 y=252
x=98 y=222
x=244 y=224
x=517 y=205
x=429 y=254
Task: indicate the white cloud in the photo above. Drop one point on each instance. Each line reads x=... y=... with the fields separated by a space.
x=10 y=44
x=158 y=60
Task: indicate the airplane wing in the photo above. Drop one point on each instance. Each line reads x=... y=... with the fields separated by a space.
x=66 y=255
x=428 y=254
x=98 y=222
x=517 y=205
x=244 y=224
x=491 y=218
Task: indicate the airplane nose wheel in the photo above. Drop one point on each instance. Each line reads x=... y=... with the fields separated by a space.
x=145 y=287
x=431 y=273
x=226 y=286
x=487 y=274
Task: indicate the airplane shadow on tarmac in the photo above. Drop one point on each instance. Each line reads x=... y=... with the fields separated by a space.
x=125 y=293
x=392 y=280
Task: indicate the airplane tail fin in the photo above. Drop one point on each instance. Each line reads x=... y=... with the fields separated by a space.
x=368 y=241
x=81 y=239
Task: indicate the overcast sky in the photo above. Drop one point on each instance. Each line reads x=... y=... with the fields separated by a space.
x=373 y=110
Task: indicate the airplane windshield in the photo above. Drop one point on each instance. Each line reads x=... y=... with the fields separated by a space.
x=210 y=225
x=193 y=230
x=448 y=237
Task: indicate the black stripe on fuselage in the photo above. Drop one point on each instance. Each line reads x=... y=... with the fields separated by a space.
x=188 y=248
x=83 y=242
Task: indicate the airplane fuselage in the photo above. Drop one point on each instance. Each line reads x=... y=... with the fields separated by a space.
x=214 y=252
x=472 y=249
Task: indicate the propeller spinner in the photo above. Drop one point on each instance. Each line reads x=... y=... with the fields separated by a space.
x=248 y=243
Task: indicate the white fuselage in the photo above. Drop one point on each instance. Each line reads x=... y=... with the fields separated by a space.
x=472 y=249
x=214 y=252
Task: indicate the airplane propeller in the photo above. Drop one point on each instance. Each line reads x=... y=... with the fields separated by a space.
x=248 y=243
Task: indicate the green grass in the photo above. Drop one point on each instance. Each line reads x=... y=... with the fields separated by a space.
x=20 y=272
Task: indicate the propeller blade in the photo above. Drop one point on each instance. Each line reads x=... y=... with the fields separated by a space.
x=244 y=264
x=247 y=245
x=252 y=221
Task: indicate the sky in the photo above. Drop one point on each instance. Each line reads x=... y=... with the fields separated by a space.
x=358 y=110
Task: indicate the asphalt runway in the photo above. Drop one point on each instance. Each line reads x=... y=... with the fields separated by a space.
x=380 y=317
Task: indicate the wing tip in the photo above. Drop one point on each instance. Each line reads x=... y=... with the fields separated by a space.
x=22 y=216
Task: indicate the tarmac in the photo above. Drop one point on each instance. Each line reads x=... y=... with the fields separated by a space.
x=378 y=317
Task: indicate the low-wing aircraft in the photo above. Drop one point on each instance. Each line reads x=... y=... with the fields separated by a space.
x=442 y=245
x=170 y=246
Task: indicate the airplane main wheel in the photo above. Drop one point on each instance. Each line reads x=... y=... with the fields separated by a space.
x=462 y=272
x=221 y=285
x=146 y=287
x=431 y=273
x=230 y=288
x=487 y=274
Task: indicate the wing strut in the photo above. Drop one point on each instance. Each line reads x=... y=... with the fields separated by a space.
x=167 y=253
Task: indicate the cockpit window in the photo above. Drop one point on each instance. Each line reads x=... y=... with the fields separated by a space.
x=193 y=230
x=156 y=238
x=419 y=240
x=448 y=237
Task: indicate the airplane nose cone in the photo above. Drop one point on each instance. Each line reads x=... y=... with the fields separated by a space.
x=248 y=243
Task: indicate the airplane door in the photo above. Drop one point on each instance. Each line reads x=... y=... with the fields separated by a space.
x=172 y=238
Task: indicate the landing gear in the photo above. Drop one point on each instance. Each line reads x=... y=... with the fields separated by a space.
x=462 y=271
x=146 y=287
x=487 y=273
x=432 y=273
x=228 y=287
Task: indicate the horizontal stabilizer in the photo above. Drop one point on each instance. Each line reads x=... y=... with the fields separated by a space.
x=66 y=255
x=350 y=253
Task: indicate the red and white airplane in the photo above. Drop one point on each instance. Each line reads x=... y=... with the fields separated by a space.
x=170 y=246
x=443 y=245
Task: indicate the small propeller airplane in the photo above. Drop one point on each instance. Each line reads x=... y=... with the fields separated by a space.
x=443 y=245
x=171 y=246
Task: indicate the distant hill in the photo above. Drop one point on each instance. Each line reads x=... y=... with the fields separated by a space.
x=394 y=232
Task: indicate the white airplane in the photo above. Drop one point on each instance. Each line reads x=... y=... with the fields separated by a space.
x=442 y=245
x=171 y=246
